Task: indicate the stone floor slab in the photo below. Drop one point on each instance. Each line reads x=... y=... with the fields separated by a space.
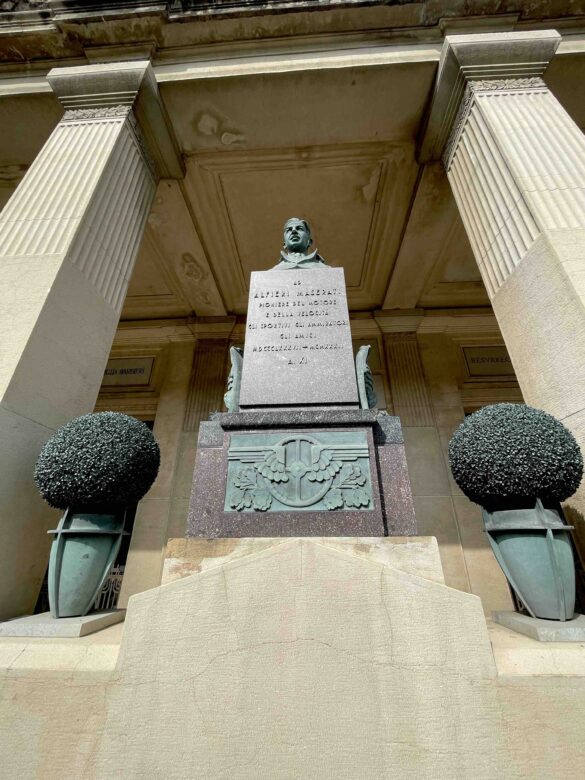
x=544 y=630
x=44 y=625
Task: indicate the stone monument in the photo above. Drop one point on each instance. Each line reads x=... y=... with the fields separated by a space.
x=301 y=450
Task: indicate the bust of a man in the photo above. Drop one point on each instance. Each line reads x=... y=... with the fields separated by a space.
x=295 y=252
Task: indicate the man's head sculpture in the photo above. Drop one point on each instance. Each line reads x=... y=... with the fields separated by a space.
x=295 y=252
x=297 y=235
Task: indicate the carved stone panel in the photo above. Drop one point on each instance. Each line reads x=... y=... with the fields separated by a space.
x=301 y=473
x=298 y=471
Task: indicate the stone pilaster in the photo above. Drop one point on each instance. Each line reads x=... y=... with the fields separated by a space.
x=157 y=511
x=516 y=164
x=68 y=240
x=410 y=397
x=196 y=374
x=208 y=382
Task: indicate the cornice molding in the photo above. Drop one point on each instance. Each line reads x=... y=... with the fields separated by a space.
x=482 y=58
x=363 y=327
x=399 y=321
x=150 y=335
x=112 y=90
x=213 y=327
x=460 y=325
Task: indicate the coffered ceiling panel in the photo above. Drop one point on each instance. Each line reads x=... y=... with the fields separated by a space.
x=322 y=191
x=435 y=265
x=459 y=263
x=172 y=276
x=173 y=224
x=354 y=196
x=153 y=292
x=455 y=279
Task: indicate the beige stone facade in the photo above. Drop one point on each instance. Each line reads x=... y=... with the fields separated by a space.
x=409 y=232
x=296 y=658
x=149 y=154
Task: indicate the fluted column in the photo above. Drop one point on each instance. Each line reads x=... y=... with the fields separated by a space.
x=68 y=240
x=516 y=164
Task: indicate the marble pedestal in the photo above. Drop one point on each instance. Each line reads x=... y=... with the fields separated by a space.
x=389 y=512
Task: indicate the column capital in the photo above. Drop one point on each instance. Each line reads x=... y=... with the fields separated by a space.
x=483 y=57
x=115 y=89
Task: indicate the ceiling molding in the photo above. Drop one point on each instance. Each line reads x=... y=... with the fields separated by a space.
x=364 y=327
x=150 y=335
x=179 y=245
x=462 y=294
x=473 y=397
x=143 y=408
x=399 y=321
x=461 y=325
x=167 y=298
x=431 y=218
x=207 y=184
x=213 y=327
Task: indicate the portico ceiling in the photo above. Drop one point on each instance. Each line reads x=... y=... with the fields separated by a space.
x=335 y=145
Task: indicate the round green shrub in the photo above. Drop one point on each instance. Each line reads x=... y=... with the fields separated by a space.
x=98 y=460
x=508 y=455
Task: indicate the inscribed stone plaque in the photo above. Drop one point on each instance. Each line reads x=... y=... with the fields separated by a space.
x=128 y=371
x=298 y=349
x=488 y=361
x=298 y=471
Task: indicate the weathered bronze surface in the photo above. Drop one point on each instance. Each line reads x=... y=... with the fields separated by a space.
x=298 y=471
x=232 y=397
x=297 y=240
x=365 y=380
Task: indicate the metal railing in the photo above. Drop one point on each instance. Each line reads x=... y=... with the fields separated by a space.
x=108 y=596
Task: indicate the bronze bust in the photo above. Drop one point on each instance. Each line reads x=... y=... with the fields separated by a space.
x=297 y=240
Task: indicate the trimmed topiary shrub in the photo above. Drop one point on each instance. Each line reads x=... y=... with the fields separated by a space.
x=508 y=455
x=98 y=460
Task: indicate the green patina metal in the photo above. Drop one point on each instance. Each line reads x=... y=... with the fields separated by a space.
x=365 y=379
x=277 y=472
x=232 y=397
x=295 y=252
x=534 y=550
x=83 y=551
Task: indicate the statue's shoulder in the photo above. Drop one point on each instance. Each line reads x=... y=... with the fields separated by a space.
x=282 y=266
x=314 y=260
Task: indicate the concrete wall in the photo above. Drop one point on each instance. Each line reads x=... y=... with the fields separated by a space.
x=301 y=661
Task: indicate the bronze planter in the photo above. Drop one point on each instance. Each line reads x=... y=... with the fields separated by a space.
x=83 y=552
x=533 y=548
